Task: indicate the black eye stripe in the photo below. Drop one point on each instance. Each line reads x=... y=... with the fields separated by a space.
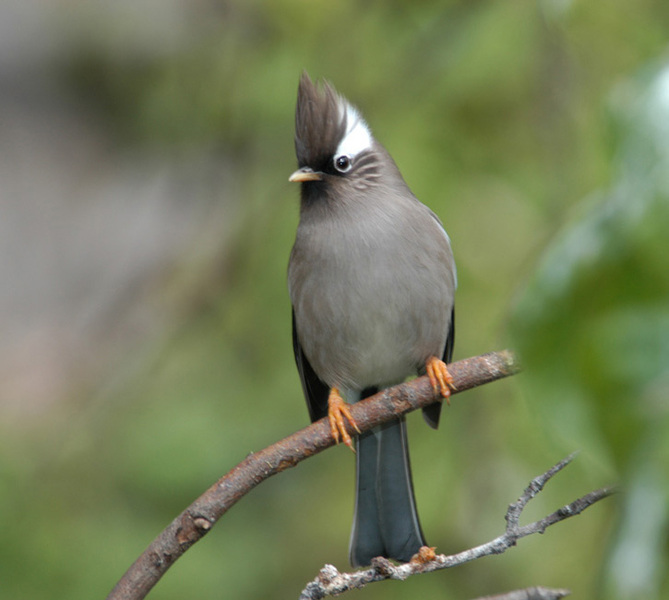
x=365 y=159
x=366 y=164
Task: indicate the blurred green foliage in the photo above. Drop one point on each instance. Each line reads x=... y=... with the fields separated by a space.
x=538 y=132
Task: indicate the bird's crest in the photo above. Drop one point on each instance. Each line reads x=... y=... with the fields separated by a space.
x=326 y=124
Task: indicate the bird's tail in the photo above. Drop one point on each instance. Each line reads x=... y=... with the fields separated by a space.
x=385 y=522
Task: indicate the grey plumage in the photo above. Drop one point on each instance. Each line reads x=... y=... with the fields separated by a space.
x=371 y=280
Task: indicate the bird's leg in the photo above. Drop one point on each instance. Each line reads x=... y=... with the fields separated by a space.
x=440 y=378
x=338 y=410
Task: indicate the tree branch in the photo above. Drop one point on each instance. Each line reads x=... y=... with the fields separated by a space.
x=330 y=582
x=194 y=522
x=531 y=593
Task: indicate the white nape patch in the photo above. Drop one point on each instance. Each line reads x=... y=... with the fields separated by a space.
x=358 y=137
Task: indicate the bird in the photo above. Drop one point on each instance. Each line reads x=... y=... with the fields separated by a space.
x=371 y=280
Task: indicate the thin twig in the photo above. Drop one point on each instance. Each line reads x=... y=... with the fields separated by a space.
x=531 y=593
x=198 y=519
x=330 y=582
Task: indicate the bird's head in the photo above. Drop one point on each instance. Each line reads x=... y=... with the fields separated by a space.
x=334 y=145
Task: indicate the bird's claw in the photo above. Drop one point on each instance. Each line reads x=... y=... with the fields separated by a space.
x=424 y=555
x=440 y=378
x=338 y=410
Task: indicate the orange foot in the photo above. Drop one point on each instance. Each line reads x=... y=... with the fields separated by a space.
x=440 y=378
x=337 y=411
x=424 y=555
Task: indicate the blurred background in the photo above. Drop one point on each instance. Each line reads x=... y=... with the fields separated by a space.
x=145 y=225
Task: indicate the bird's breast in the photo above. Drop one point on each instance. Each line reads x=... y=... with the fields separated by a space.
x=371 y=304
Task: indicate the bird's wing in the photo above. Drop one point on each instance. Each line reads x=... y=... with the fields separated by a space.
x=315 y=391
x=450 y=340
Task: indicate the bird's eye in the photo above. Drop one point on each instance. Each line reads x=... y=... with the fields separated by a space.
x=342 y=163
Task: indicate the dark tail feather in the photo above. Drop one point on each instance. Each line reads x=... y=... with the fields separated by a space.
x=385 y=521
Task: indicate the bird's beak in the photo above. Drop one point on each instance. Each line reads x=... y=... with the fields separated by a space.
x=305 y=174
